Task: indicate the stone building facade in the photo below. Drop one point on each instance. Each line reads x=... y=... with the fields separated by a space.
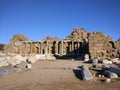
x=78 y=43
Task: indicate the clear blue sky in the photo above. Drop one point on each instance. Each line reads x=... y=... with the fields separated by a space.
x=40 y=18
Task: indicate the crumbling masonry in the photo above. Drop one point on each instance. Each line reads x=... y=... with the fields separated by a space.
x=79 y=42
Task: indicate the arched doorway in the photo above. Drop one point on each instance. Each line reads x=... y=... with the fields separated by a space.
x=43 y=51
x=112 y=44
x=37 y=50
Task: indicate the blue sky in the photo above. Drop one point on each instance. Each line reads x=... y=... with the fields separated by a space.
x=57 y=18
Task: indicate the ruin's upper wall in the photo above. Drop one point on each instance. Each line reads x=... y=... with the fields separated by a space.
x=102 y=46
x=77 y=34
x=51 y=38
x=19 y=38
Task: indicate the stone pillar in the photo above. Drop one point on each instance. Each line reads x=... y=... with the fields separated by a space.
x=86 y=57
x=31 y=48
x=18 y=48
x=41 y=47
x=62 y=47
x=46 y=49
x=56 y=48
x=59 y=49
x=49 y=47
x=72 y=47
x=25 y=47
x=78 y=47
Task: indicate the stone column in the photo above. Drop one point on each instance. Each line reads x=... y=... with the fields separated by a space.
x=46 y=49
x=56 y=48
x=78 y=47
x=18 y=48
x=41 y=47
x=49 y=47
x=25 y=47
x=72 y=47
x=69 y=44
x=31 y=48
x=62 y=47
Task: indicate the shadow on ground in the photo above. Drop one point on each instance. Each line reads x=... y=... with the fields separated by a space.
x=77 y=73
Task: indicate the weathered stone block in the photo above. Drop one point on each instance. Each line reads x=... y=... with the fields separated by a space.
x=110 y=74
x=114 y=69
x=86 y=74
x=29 y=66
x=107 y=62
x=86 y=57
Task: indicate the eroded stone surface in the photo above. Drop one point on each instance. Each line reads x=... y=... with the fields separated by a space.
x=86 y=74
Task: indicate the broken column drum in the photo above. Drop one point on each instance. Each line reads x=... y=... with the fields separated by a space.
x=86 y=74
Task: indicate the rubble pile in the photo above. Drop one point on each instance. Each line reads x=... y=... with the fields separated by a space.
x=77 y=34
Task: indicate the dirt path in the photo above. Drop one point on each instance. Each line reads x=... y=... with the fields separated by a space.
x=52 y=75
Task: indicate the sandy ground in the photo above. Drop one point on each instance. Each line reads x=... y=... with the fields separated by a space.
x=53 y=75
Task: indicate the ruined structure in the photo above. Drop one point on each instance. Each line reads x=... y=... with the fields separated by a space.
x=78 y=43
x=103 y=46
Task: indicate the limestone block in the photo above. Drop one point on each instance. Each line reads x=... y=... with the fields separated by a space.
x=108 y=80
x=95 y=61
x=86 y=74
x=28 y=60
x=86 y=57
x=40 y=56
x=114 y=70
x=110 y=74
x=50 y=57
x=29 y=66
x=3 y=62
x=115 y=60
x=31 y=59
x=107 y=62
x=105 y=67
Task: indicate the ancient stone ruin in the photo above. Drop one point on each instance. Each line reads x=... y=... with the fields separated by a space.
x=1 y=47
x=77 y=44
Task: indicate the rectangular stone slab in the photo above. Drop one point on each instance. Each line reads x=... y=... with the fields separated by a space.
x=114 y=69
x=86 y=74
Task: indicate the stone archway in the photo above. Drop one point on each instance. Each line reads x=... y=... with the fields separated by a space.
x=112 y=44
x=43 y=51
x=37 y=50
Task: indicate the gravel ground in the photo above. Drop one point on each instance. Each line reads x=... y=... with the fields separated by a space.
x=53 y=75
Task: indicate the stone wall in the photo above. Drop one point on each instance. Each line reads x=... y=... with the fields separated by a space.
x=1 y=46
x=79 y=42
x=15 y=42
x=78 y=34
x=102 y=46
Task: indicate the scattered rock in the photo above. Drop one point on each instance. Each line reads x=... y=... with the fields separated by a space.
x=107 y=62
x=107 y=80
x=86 y=58
x=115 y=61
x=99 y=75
x=95 y=61
x=105 y=66
x=29 y=66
